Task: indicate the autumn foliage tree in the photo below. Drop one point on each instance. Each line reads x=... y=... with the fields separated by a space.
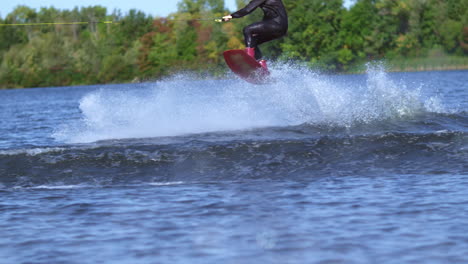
x=322 y=34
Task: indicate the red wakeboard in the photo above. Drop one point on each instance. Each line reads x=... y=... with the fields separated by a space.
x=245 y=66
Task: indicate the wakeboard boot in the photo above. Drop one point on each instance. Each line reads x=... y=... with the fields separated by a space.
x=250 y=52
x=264 y=64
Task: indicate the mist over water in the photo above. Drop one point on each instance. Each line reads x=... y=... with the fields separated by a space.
x=294 y=96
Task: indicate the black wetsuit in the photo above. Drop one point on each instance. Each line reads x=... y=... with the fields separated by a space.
x=274 y=24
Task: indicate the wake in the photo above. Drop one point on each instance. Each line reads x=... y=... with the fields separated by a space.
x=183 y=105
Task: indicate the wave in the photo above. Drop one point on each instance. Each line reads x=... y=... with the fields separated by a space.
x=181 y=106
x=163 y=161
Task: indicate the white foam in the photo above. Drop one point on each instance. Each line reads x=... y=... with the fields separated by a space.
x=29 y=152
x=183 y=105
x=166 y=183
x=59 y=187
x=53 y=187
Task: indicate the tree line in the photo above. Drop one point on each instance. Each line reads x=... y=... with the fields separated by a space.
x=322 y=34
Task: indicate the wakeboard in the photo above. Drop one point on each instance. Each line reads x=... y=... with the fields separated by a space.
x=246 y=67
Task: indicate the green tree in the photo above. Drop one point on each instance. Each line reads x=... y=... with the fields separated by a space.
x=201 y=6
x=321 y=33
x=314 y=29
x=356 y=28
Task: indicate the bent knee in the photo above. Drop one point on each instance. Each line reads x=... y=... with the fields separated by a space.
x=248 y=31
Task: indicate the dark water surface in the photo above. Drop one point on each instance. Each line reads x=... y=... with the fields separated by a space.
x=308 y=169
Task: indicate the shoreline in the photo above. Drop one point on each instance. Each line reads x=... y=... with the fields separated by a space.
x=388 y=69
x=412 y=69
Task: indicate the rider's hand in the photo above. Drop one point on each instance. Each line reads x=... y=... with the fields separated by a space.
x=227 y=18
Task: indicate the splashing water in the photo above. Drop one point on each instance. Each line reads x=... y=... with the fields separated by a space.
x=183 y=105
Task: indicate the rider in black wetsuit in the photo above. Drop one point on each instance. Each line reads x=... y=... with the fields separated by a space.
x=274 y=25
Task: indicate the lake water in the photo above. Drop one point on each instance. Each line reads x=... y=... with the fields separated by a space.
x=310 y=168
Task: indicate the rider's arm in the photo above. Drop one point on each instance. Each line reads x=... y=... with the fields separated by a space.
x=248 y=9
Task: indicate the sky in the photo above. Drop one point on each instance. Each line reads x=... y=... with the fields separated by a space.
x=153 y=7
